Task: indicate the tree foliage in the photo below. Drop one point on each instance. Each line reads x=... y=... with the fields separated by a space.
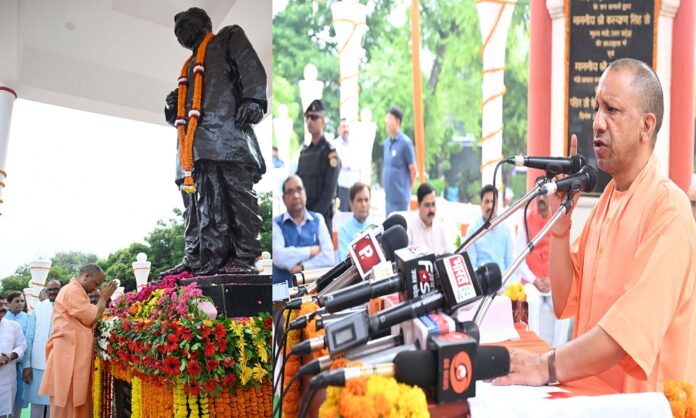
x=64 y=265
x=451 y=67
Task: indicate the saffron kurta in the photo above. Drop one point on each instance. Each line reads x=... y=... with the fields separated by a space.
x=635 y=276
x=69 y=350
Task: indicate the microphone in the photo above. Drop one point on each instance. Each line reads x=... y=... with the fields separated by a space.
x=452 y=369
x=379 y=346
x=584 y=181
x=344 y=265
x=451 y=364
x=356 y=329
x=367 y=252
x=551 y=165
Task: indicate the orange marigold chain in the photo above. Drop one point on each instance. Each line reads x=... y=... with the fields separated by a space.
x=186 y=123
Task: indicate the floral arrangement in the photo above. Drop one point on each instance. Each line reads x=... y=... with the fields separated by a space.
x=681 y=398
x=161 y=335
x=374 y=397
x=515 y=291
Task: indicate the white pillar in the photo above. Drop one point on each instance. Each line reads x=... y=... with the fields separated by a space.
x=310 y=89
x=663 y=68
x=7 y=98
x=349 y=23
x=282 y=130
x=363 y=132
x=494 y=19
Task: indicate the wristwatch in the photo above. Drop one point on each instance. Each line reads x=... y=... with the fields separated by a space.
x=553 y=380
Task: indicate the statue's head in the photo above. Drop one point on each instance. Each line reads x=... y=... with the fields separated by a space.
x=191 y=26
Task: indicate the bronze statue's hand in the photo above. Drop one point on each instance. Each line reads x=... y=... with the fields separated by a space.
x=249 y=112
x=172 y=98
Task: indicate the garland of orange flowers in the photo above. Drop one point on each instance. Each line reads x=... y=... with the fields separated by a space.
x=681 y=398
x=186 y=131
x=157 y=399
x=291 y=402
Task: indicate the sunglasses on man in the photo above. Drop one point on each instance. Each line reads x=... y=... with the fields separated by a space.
x=313 y=117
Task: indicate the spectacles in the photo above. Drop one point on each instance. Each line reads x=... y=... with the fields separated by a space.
x=297 y=190
x=313 y=117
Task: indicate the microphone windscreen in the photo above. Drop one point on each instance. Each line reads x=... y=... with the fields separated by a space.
x=491 y=362
x=394 y=238
x=417 y=368
x=395 y=219
x=578 y=161
x=489 y=278
x=591 y=178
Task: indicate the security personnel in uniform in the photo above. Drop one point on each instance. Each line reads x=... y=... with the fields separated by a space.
x=319 y=165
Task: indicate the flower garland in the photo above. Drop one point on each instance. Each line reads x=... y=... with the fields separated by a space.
x=97 y=388
x=681 y=398
x=180 y=409
x=157 y=400
x=136 y=398
x=291 y=402
x=374 y=397
x=186 y=133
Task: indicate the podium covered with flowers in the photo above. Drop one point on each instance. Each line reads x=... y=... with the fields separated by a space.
x=177 y=360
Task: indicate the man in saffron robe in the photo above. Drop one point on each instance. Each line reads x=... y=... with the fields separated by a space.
x=69 y=349
x=630 y=277
x=222 y=216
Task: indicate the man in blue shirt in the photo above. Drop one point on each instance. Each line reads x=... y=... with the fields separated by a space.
x=496 y=246
x=399 y=172
x=301 y=240
x=359 y=195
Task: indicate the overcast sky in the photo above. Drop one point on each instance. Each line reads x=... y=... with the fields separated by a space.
x=79 y=181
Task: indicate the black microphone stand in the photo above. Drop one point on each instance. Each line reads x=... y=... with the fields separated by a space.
x=488 y=300
x=500 y=218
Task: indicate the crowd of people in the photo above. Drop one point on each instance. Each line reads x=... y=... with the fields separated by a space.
x=46 y=354
x=602 y=280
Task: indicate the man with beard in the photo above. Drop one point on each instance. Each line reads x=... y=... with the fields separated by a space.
x=424 y=228
x=630 y=277
x=35 y=356
x=219 y=156
x=534 y=270
x=496 y=246
x=319 y=165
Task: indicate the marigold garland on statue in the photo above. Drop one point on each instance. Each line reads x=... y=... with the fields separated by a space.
x=186 y=123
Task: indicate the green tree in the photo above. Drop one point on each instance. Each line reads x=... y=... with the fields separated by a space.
x=166 y=244
x=17 y=281
x=451 y=43
x=266 y=209
x=119 y=265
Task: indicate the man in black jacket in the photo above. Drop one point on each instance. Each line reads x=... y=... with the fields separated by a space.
x=319 y=165
x=222 y=214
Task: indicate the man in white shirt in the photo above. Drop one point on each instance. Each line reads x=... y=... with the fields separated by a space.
x=347 y=153
x=423 y=227
x=12 y=347
x=36 y=343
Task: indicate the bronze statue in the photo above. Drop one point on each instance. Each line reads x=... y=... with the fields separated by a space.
x=221 y=93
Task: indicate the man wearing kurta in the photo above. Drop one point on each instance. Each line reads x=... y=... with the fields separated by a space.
x=36 y=352
x=630 y=277
x=12 y=347
x=66 y=379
